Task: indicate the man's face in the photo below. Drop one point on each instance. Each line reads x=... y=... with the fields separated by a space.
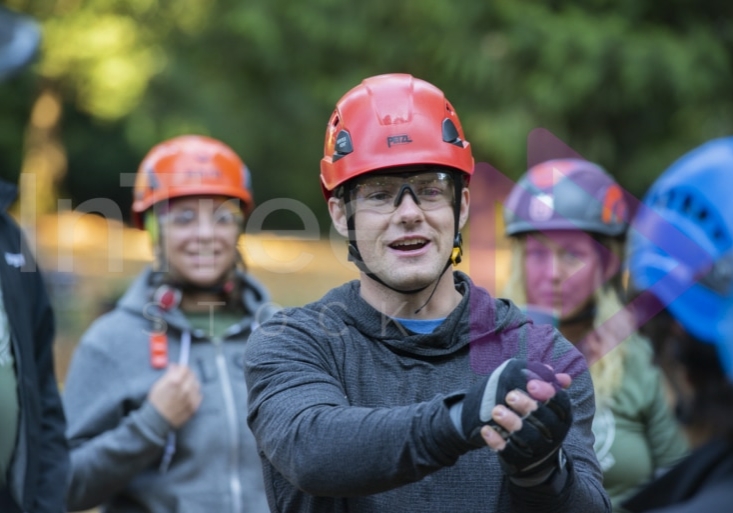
x=563 y=270
x=404 y=224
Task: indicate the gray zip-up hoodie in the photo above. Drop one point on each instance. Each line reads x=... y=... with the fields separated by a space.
x=117 y=437
x=351 y=411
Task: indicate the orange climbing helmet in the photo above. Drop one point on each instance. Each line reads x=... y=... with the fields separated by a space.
x=388 y=121
x=190 y=165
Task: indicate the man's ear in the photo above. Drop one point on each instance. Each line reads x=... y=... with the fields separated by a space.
x=337 y=210
x=465 y=200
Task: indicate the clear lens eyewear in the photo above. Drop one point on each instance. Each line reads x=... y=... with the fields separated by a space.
x=384 y=193
x=225 y=215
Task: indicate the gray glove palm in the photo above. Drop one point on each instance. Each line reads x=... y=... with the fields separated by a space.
x=529 y=450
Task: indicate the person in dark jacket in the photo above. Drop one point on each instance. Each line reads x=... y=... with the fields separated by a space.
x=34 y=458
x=387 y=393
x=681 y=263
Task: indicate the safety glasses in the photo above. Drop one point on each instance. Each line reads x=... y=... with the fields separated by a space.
x=186 y=213
x=430 y=190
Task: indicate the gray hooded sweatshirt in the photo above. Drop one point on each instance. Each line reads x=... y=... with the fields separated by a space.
x=117 y=437
x=351 y=410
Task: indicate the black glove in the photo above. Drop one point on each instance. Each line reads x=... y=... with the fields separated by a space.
x=530 y=449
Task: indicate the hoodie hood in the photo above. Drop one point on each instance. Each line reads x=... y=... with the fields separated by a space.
x=491 y=330
x=255 y=298
x=496 y=329
x=383 y=328
x=500 y=330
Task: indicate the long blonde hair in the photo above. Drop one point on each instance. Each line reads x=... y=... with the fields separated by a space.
x=606 y=372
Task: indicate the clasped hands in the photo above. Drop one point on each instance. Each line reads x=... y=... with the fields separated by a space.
x=522 y=411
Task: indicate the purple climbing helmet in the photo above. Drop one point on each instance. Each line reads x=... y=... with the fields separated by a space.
x=566 y=194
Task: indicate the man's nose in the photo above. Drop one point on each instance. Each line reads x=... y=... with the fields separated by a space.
x=408 y=206
x=406 y=188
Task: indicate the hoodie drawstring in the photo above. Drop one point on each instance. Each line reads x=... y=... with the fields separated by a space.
x=170 y=445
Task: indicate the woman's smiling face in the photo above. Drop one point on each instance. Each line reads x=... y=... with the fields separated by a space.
x=200 y=234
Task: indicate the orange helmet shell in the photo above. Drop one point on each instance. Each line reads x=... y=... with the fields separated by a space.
x=190 y=165
x=388 y=121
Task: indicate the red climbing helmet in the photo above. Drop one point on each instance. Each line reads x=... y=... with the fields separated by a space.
x=388 y=121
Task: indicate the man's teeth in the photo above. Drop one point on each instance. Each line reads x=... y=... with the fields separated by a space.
x=409 y=243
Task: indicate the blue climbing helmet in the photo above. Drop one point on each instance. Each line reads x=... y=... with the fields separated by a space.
x=681 y=244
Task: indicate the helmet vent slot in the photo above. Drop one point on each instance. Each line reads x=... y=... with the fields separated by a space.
x=450 y=133
x=686 y=204
x=694 y=207
x=343 y=145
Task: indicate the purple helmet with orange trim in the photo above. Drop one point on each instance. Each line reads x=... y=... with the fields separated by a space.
x=566 y=194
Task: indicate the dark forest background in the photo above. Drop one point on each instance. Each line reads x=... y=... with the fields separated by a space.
x=629 y=84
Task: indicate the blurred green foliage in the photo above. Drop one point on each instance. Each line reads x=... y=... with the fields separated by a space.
x=629 y=84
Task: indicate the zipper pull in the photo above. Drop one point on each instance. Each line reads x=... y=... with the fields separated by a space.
x=159 y=350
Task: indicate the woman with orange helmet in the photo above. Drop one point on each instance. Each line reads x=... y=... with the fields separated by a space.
x=154 y=390
x=385 y=394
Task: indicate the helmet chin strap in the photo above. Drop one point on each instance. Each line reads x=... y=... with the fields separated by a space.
x=456 y=252
x=164 y=283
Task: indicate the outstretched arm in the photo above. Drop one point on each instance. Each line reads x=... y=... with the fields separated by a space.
x=305 y=425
